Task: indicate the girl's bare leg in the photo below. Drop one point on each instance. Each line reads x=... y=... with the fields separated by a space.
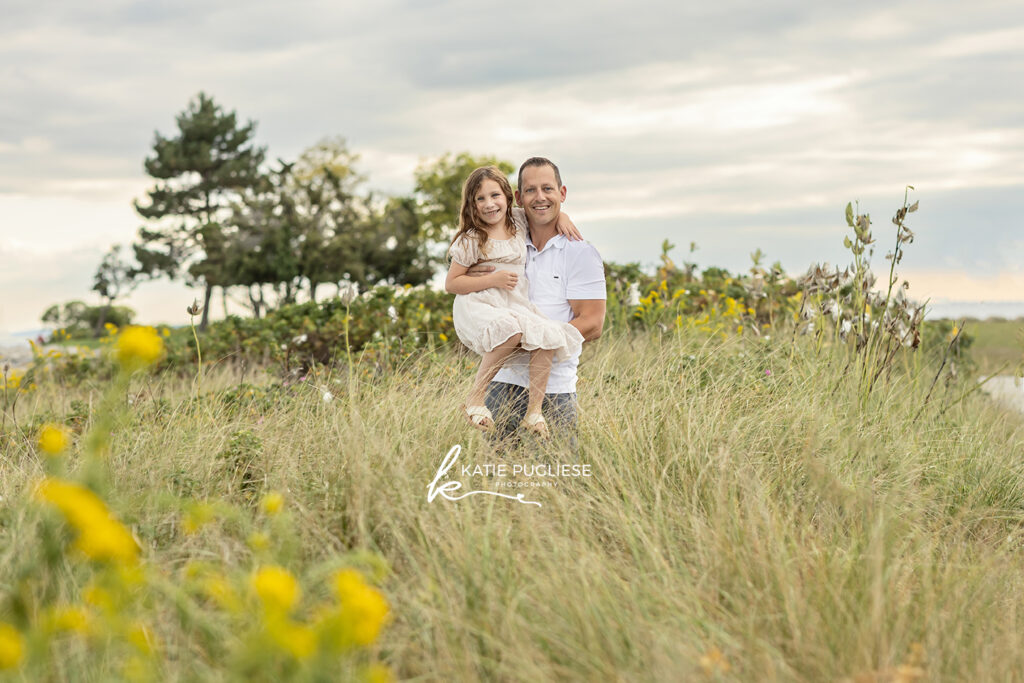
x=489 y=366
x=540 y=370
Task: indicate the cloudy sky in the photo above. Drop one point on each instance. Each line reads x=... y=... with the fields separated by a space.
x=735 y=124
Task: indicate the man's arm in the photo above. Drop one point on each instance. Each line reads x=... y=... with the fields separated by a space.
x=565 y=226
x=588 y=317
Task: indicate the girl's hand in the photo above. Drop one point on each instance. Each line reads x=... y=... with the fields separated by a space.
x=567 y=227
x=504 y=279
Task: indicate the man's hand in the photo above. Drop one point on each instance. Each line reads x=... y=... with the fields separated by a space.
x=479 y=270
x=505 y=279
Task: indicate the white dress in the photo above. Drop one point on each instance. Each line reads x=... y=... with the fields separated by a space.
x=486 y=318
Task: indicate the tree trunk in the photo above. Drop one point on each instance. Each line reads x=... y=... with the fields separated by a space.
x=224 y=300
x=255 y=303
x=206 y=307
x=103 y=318
x=312 y=291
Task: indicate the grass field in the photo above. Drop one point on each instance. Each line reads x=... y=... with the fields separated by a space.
x=998 y=346
x=748 y=517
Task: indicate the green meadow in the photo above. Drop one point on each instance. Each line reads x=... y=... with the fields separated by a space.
x=751 y=514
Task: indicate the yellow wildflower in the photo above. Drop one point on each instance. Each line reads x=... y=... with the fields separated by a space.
x=53 y=439
x=196 y=516
x=443 y=337
x=276 y=588
x=218 y=589
x=377 y=673
x=272 y=503
x=296 y=639
x=138 y=347
x=12 y=647
x=258 y=541
x=141 y=637
x=363 y=607
x=100 y=536
x=99 y=597
x=166 y=332
x=69 y=619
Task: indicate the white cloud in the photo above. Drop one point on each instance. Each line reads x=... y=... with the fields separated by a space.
x=727 y=122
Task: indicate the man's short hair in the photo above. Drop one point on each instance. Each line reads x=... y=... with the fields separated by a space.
x=538 y=161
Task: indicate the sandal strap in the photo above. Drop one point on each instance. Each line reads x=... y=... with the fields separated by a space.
x=477 y=414
x=534 y=419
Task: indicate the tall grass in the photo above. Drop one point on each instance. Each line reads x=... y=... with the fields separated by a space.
x=749 y=517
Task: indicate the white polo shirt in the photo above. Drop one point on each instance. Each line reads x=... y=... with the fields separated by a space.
x=565 y=269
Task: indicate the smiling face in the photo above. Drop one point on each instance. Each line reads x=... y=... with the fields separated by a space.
x=490 y=204
x=540 y=195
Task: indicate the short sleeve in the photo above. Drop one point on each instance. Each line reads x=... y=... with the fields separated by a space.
x=584 y=272
x=464 y=251
x=519 y=218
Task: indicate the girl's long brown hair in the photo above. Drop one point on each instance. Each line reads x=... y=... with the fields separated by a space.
x=470 y=224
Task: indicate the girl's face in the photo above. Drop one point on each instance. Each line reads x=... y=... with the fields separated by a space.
x=490 y=203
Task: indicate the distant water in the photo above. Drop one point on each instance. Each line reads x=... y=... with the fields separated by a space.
x=975 y=309
x=18 y=339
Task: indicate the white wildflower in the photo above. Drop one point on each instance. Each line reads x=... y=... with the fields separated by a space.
x=328 y=397
x=393 y=314
x=634 y=294
x=347 y=292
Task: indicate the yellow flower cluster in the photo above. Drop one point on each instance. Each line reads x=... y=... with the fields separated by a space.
x=272 y=503
x=279 y=593
x=12 y=647
x=277 y=588
x=197 y=515
x=355 y=620
x=138 y=347
x=53 y=439
x=99 y=536
x=362 y=608
x=13 y=380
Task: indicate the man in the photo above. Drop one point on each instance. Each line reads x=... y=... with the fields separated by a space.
x=567 y=284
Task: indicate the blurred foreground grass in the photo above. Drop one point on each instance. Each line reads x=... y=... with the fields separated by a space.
x=749 y=517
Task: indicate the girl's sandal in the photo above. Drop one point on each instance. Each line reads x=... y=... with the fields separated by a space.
x=535 y=423
x=477 y=416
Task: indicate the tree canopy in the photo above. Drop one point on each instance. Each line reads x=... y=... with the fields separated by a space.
x=439 y=190
x=200 y=172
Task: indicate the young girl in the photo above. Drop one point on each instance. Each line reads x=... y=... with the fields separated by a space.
x=493 y=315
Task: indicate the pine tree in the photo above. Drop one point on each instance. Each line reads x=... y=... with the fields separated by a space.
x=200 y=173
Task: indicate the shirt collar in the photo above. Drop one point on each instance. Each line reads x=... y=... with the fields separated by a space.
x=556 y=242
